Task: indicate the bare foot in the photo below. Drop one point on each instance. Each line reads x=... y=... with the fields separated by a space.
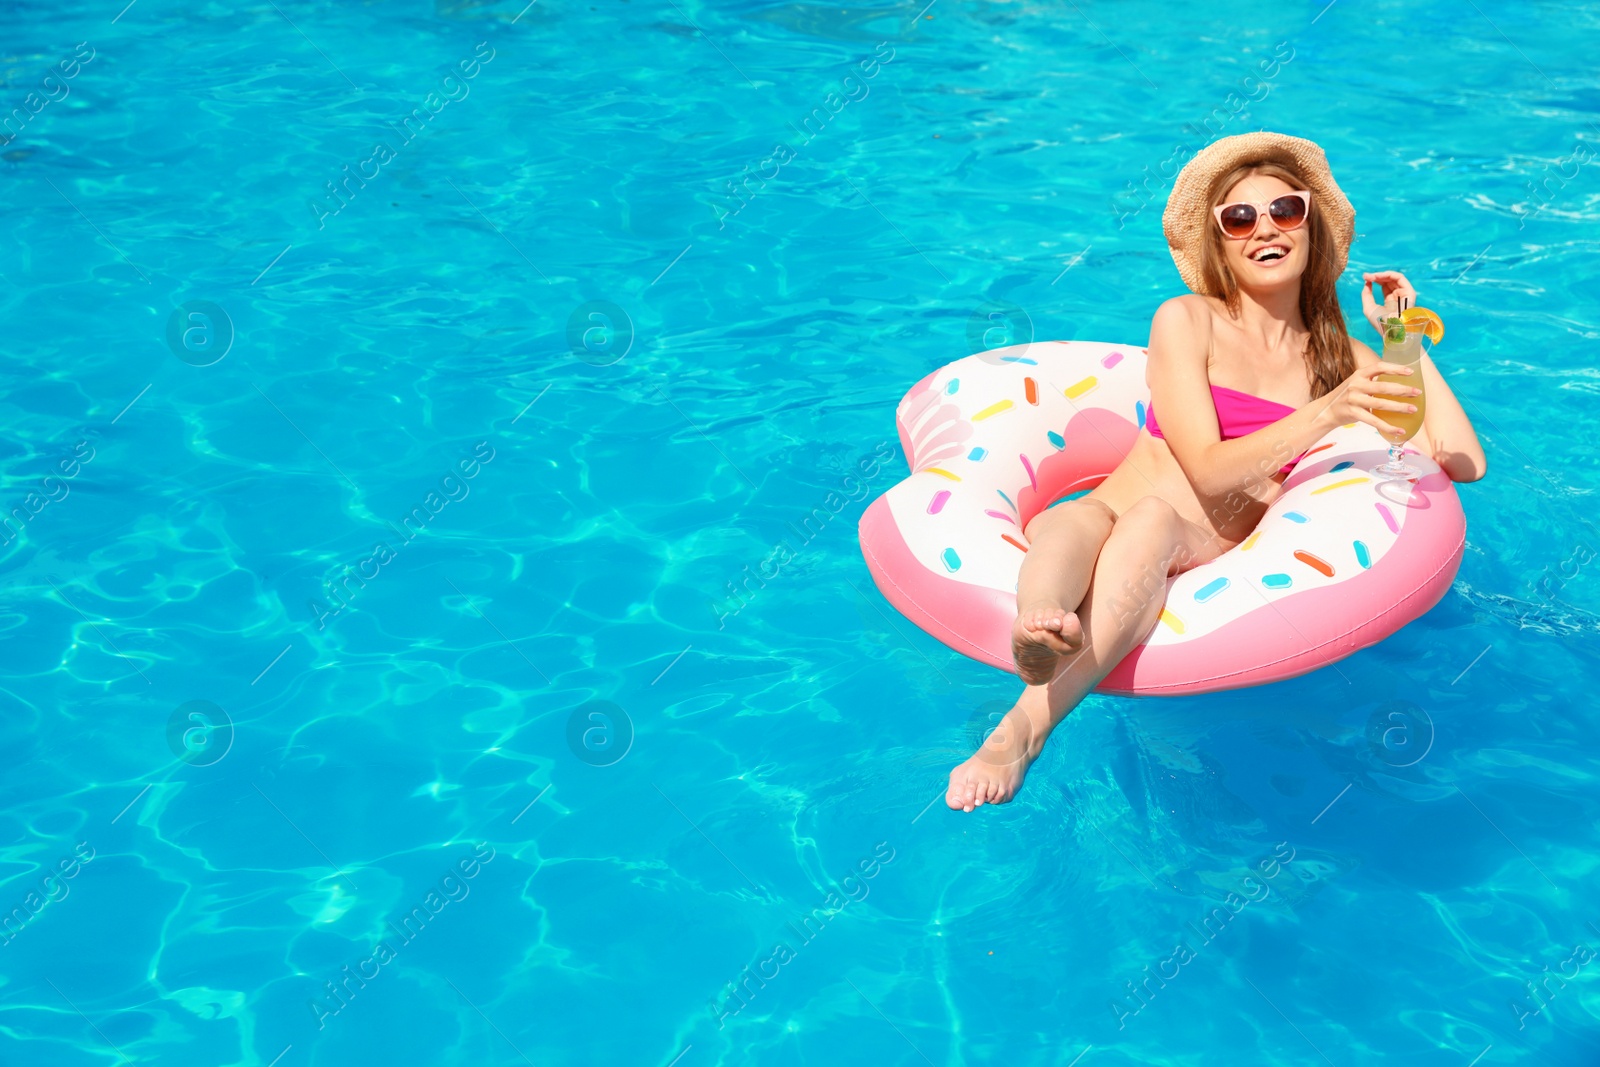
x=1041 y=635
x=995 y=772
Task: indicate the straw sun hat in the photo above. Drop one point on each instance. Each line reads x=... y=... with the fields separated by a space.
x=1188 y=222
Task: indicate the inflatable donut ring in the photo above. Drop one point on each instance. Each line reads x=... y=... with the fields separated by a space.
x=1339 y=562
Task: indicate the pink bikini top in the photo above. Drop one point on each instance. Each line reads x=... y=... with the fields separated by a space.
x=1238 y=414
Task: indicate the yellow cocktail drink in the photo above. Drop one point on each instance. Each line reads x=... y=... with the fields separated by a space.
x=1407 y=353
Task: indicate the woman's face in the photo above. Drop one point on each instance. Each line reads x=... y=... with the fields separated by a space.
x=1268 y=257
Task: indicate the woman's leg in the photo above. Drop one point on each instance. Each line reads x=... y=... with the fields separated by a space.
x=1063 y=543
x=1149 y=542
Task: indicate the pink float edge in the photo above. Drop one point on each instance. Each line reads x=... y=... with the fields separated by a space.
x=982 y=611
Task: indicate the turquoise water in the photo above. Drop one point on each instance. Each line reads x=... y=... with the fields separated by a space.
x=542 y=780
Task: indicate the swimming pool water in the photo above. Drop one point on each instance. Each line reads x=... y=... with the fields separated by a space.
x=613 y=754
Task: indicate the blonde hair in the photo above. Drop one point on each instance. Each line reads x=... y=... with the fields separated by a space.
x=1328 y=357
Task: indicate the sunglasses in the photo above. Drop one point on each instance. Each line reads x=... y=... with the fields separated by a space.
x=1288 y=212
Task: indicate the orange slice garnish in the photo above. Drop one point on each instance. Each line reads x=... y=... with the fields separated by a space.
x=1428 y=322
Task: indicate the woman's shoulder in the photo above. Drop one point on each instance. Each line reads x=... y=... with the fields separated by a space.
x=1362 y=353
x=1189 y=314
x=1181 y=328
x=1190 y=306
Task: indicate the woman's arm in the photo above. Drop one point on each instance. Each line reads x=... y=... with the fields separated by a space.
x=1447 y=435
x=1180 y=389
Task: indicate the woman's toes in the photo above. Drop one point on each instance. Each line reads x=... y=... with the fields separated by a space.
x=957 y=791
x=962 y=792
x=1057 y=631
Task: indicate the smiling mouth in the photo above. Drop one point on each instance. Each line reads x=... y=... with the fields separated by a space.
x=1269 y=254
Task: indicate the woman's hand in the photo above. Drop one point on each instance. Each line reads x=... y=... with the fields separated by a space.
x=1362 y=394
x=1394 y=286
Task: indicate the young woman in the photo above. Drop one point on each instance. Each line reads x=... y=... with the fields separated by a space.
x=1247 y=371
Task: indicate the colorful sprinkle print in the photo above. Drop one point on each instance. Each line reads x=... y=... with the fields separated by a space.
x=993 y=409
x=1056 y=439
x=999 y=515
x=1340 y=485
x=954 y=384
x=1211 y=589
x=1172 y=620
x=938 y=502
x=1007 y=499
x=1077 y=389
x=1277 y=581
x=1008 y=539
x=1032 y=480
x=1138 y=411
x=1019 y=359
x=977 y=454
x=941 y=472
x=1316 y=563
x=951 y=561
x=1111 y=360
x=1295 y=516
x=1388 y=518
x=1250 y=542
x=1363 y=556
x=1030 y=390
x=1344 y=465
x=1320 y=448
